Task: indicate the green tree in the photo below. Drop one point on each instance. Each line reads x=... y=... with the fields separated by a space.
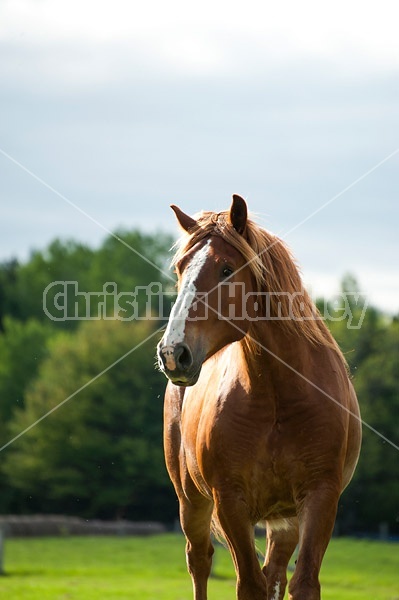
x=8 y=275
x=100 y=454
x=356 y=326
x=370 y=342
x=375 y=488
x=25 y=332
x=66 y=261
x=128 y=259
x=22 y=348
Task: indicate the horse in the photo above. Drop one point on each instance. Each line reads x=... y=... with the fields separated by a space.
x=261 y=421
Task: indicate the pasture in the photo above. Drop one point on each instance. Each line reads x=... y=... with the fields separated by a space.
x=153 y=568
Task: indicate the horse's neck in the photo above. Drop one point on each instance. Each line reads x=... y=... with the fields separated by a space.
x=273 y=354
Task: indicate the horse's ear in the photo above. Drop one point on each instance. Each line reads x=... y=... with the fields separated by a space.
x=238 y=214
x=185 y=221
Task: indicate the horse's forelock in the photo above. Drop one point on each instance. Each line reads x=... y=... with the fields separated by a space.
x=210 y=223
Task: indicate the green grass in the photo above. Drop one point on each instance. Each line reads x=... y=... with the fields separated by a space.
x=102 y=568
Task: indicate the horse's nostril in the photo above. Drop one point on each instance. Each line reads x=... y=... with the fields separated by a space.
x=183 y=357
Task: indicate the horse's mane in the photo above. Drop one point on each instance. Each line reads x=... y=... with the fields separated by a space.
x=274 y=270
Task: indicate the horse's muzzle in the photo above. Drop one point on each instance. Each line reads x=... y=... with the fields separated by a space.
x=177 y=363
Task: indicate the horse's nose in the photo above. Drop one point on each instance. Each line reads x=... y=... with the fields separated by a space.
x=176 y=358
x=183 y=357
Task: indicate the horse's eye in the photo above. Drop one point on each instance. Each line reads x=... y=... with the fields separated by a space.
x=226 y=272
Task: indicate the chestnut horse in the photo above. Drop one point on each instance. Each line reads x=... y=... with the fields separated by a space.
x=261 y=419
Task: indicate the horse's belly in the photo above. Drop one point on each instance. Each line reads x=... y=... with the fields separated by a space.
x=267 y=496
x=275 y=501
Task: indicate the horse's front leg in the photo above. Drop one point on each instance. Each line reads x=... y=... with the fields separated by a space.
x=195 y=518
x=232 y=513
x=316 y=513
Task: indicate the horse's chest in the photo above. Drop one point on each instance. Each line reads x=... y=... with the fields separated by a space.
x=220 y=439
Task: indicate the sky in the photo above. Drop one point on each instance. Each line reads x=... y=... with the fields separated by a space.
x=110 y=112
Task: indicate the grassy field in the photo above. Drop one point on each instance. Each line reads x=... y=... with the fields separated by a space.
x=153 y=568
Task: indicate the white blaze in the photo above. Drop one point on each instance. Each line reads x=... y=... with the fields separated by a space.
x=177 y=321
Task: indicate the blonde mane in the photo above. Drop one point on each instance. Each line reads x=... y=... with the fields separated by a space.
x=274 y=270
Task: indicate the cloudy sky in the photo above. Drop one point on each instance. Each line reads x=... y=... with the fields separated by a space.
x=112 y=111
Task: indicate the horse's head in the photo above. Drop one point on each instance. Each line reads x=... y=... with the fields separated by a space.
x=214 y=296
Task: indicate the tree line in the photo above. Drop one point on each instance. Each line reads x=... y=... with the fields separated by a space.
x=81 y=400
